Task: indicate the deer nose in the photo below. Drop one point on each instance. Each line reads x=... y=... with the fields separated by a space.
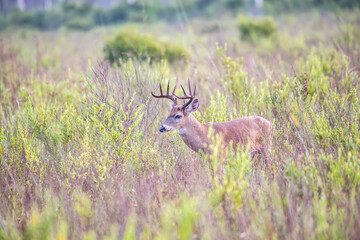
x=162 y=129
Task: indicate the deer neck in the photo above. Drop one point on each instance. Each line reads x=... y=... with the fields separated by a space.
x=194 y=134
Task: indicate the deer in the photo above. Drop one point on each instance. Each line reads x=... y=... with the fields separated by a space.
x=253 y=130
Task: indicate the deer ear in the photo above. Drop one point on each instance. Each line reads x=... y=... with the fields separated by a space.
x=193 y=106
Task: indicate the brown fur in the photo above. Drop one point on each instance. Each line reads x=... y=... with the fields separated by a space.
x=239 y=132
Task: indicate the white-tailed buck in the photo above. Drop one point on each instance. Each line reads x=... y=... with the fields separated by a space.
x=239 y=132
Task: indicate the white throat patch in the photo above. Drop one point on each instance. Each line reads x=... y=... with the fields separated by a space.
x=182 y=131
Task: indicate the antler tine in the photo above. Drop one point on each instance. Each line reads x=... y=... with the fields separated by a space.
x=185 y=95
x=191 y=96
x=189 y=87
x=161 y=93
x=167 y=95
x=155 y=96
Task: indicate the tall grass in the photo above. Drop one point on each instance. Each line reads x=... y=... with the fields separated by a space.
x=81 y=156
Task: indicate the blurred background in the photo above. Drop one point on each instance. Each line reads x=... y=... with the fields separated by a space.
x=53 y=14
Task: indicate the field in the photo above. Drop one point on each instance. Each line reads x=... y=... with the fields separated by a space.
x=82 y=157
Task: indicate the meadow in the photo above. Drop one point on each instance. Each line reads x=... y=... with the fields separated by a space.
x=81 y=156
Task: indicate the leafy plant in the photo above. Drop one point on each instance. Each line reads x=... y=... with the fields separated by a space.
x=4 y=23
x=80 y=23
x=130 y=44
x=254 y=29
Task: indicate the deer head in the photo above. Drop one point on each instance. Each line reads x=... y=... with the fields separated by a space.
x=178 y=114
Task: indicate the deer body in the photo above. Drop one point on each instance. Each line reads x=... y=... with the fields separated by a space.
x=238 y=132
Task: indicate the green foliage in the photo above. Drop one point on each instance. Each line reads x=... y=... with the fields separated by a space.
x=73 y=15
x=130 y=44
x=80 y=23
x=234 y=4
x=46 y=224
x=70 y=13
x=81 y=156
x=24 y=19
x=100 y=17
x=78 y=16
x=79 y=9
x=181 y=210
x=3 y=140
x=37 y=19
x=231 y=187
x=349 y=36
x=83 y=16
x=117 y=14
x=277 y=6
x=3 y=22
x=255 y=29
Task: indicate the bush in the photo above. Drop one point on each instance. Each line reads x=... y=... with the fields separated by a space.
x=80 y=9
x=80 y=23
x=100 y=16
x=52 y=19
x=79 y=16
x=3 y=23
x=116 y=14
x=234 y=4
x=38 y=19
x=130 y=44
x=280 y=6
x=254 y=29
x=22 y=19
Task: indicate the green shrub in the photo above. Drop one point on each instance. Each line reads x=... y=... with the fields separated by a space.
x=123 y=12
x=81 y=9
x=278 y=6
x=233 y=4
x=21 y=19
x=3 y=23
x=79 y=16
x=174 y=52
x=117 y=13
x=80 y=23
x=52 y=19
x=254 y=29
x=100 y=16
x=130 y=44
x=37 y=19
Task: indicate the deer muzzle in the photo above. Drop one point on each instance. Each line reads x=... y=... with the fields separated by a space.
x=162 y=129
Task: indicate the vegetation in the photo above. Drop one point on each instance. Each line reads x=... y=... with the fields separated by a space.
x=81 y=156
x=301 y=5
x=130 y=44
x=82 y=15
x=251 y=30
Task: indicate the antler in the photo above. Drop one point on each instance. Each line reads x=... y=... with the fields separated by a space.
x=171 y=97
x=191 y=96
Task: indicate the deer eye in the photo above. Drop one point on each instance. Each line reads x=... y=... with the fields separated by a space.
x=178 y=117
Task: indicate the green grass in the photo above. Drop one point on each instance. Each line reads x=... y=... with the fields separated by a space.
x=81 y=156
